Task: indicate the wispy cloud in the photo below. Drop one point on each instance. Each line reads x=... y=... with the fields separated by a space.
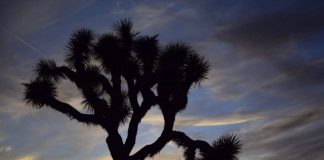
x=187 y=121
x=5 y=149
x=162 y=156
x=21 y=40
x=157 y=14
x=103 y=158
x=28 y=157
x=292 y=135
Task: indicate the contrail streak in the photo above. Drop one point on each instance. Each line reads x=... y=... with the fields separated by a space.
x=22 y=41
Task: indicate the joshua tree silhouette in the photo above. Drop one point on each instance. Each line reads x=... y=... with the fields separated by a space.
x=100 y=65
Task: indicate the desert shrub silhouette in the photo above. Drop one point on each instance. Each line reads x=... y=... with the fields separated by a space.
x=99 y=65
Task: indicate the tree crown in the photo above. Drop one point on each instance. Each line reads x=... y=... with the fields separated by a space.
x=102 y=65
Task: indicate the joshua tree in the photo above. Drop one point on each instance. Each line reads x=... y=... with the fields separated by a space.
x=101 y=65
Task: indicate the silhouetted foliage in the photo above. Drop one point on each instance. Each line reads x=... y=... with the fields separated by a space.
x=163 y=75
x=39 y=92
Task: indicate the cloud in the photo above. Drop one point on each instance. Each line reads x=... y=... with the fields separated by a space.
x=186 y=121
x=5 y=149
x=29 y=157
x=14 y=106
x=290 y=136
x=275 y=36
x=22 y=14
x=272 y=29
x=307 y=73
x=259 y=54
x=37 y=51
x=21 y=23
x=104 y=158
x=152 y=14
x=162 y=156
x=241 y=78
x=155 y=15
x=53 y=136
x=23 y=157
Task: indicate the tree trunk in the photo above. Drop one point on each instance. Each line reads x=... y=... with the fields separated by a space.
x=115 y=145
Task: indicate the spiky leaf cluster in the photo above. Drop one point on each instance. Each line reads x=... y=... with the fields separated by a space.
x=92 y=74
x=124 y=29
x=179 y=63
x=39 y=92
x=123 y=112
x=227 y=147
x=196 y=68
x=106 y=51
x=179 y=66
x=79 y=46
x=47 y=69
x=147 y=50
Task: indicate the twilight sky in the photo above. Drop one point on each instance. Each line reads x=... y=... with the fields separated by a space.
x=266 y=83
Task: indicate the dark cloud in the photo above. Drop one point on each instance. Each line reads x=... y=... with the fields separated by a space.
x=294 y=136
x=311 y=72
x=275 y=28
x=277 y=36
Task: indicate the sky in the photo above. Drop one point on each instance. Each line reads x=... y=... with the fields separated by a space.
x=266 y=82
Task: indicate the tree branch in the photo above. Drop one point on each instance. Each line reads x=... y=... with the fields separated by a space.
x=165 y=137
x=133 y=126
x=72 y=112
x=181 y=139
x=106 y=84
x=190 y=145
x=114 y=142
x=99 y=104
x=132 y=93
x=149 y=99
